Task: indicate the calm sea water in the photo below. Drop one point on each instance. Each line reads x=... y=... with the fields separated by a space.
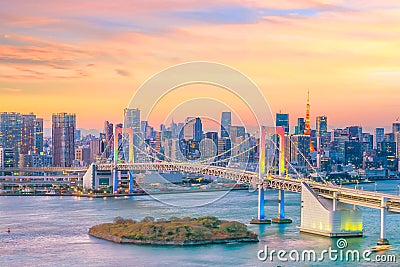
x=52 y=231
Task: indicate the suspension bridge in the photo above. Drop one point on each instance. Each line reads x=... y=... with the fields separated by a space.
x=326 y=209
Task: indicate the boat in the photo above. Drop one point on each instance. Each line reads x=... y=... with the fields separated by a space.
x=380 y=248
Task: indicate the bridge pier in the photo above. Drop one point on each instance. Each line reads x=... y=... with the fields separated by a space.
x=115 y=180
x=261 y=209
x=131 y=182
x=382 y=238
x=281 y=209
x=326 y=217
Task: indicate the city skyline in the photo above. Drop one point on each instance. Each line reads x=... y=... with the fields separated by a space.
x=90 y=59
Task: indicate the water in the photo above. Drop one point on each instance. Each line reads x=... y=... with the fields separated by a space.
x=52 y=231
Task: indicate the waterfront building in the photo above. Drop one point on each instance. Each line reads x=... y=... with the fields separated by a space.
x=63 y=139
x=10 y=133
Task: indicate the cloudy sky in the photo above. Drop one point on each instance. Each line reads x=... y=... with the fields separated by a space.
x=89 y=57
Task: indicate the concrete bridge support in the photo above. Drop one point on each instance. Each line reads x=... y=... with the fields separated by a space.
x=131 y=177
x=382 y=238
x=328 y=217
x=115 y=180
x=260 y=208
x=281 y=209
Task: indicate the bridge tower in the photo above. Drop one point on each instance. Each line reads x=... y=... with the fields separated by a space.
x=131 y=156
x=280 y=132
x=261 y=177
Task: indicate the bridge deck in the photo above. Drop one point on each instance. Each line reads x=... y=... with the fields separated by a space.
x=345 y=195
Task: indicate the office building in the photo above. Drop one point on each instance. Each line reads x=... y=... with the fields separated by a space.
x=198 y=130
x=396 y=127
x=300 y=127
x=10 y=133
x=226 y=122
x=283 y=120
x=300 y=149
x=353 y=153
x=379 y=136
x=7 y=159
x=63 y=139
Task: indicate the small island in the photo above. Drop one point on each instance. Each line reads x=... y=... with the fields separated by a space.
x=173 y=231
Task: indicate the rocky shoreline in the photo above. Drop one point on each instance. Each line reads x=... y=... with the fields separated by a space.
x=123 y=240
x=174 y=232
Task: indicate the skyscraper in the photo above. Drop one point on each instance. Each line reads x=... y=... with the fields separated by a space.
x=322 y=125
x=63 y=136
x=108 y=130
x=39 y=135
x=396 y=126
x=7 y=158
x=379 y=136
x=10 y=133
x=322 y=132
x=283 y=120
x=198 y=130
x=300 y=127
x=188 y=129
x=300 y=149
x=28 y=123
x=226 y=122
x=132 y=119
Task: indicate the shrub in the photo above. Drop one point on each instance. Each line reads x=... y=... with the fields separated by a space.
x=119 y=220
x=147 y=219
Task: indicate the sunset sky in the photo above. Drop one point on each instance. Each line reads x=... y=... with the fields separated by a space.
x=89 y=57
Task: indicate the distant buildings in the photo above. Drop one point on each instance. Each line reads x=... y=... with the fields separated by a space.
x=22 y=133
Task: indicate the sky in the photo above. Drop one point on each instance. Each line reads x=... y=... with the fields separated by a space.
x=89 y=57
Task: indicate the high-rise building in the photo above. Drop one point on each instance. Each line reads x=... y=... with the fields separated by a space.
x=213 y=136
x=353 y=153
x=226 y=122
x=28 y=124
x=96 y=149
x=10 y=133
x=198 y=130
x=322 y=125
x=300 y=127
x=379 y=136
x=300 y=149
x=82 y=155
x=237 y=134
x=132 y=119
x=283 y=120
x=322 y=132
x=63 y=138
x=7 y=159
x=108 y=130
x=355 y=133
x=39 y=136
x=396 y=126
x=188 y=129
